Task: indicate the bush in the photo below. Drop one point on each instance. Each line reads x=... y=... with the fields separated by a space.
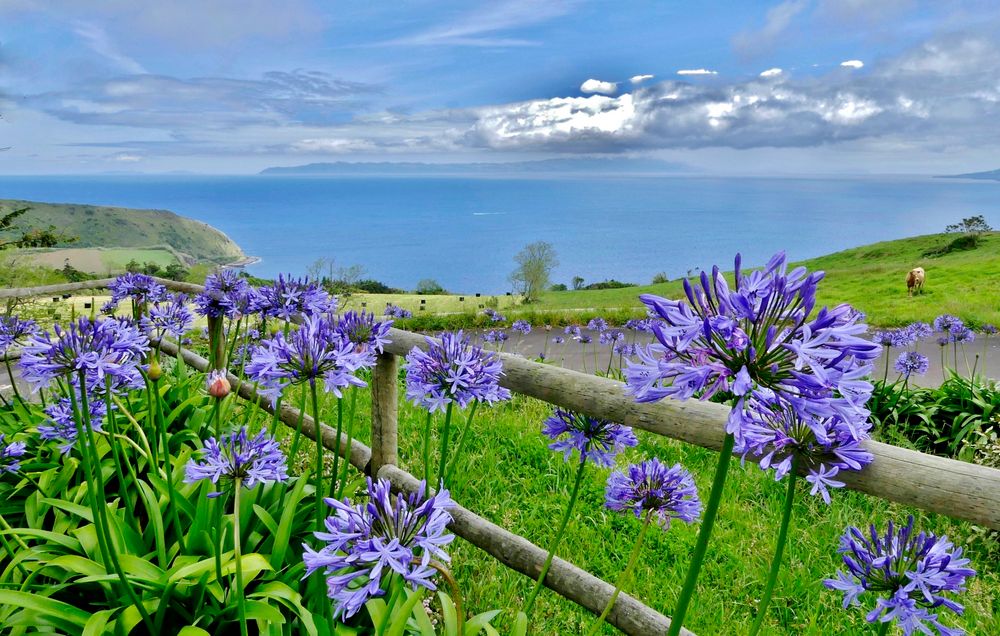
x=609 y=284
x=558 y=287
x=430 y=287
x=376 y=287
x=962 y=243
x=660 y=278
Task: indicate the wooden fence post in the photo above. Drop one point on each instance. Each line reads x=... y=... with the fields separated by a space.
x=385 y=442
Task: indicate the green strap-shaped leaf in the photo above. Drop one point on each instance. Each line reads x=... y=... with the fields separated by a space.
x=65 y=615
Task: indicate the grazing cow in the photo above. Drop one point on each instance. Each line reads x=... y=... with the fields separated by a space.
x=915 y=281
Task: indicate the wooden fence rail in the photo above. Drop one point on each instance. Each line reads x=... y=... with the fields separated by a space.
x=957 y=489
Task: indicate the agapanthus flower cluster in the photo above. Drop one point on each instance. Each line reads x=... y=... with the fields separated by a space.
x=237 y=456
x=288 y=297
x=964 y=335
x=597 y=324
x=139 y=287
x=572 y=331
x=10 y=454
x=584 y=338
x=610 y=337
x=494 y=315
x=104 y=349
x=627 y=349
x=452 y=370
x=778 y=429
x=910 y=574
x=368 y=335
x=947 y=323
x=14 y=331
x=395 y=311
x=762 y=335
x=988 y=330
x=316 y=350
x=226 y=295
x=171 y=316
x=495 y=336
x=902 y=337
x=558 y=340
x=912 y=363
x=644 y=325
x=920 y=330
x=594 y=439
x=62 y=425
x=653 y=488
x=521 y=326
x=367 y=543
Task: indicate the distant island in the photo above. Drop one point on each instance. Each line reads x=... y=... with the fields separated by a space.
x=990 y=175
x=108 y=238
x=589 y=166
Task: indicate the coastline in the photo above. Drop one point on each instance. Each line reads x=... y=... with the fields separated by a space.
x=244 y=261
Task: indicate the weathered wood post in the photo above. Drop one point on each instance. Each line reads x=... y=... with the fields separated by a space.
x=385 y=441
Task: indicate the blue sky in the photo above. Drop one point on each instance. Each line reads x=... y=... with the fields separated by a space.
x=233 y=86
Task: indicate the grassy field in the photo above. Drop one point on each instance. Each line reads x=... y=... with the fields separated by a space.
x=101 y=260
x=510 y=477
x=872 y=278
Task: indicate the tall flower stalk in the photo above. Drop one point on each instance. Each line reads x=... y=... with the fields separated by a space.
x=238 y=461
x=654 y=493
x=595 y=440
x=759 y=339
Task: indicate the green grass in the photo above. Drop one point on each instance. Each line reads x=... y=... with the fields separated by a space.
x=509 y=477
x=872 y=278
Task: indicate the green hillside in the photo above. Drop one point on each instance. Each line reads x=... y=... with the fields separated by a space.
x=102 y=226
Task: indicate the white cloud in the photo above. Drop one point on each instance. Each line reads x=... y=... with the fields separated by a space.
x=597 y=86
x=771 y=72
x=332 y=145
x=99 y=42
x=638 y=79
x=557 y=120
x=776 y=22
x=696 y=71
x=852 y=63
x=125 y=157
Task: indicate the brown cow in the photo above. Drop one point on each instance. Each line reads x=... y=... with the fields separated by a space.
x=915 y=281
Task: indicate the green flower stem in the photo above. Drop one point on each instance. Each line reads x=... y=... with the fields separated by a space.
x=336 y=453
x=275 y=417
x=113 y=444
x=456 y=591
x=443 y=458
x=88 y=471
x=13 y=380
x=10 y=552
x=342 y=481
x=461 y=443
x=427 y=449
x=240 y=601
x=704 y=533
x=101 y=510
x=319 y=450
x=623 y=578
x=219 y=543
x=298 y=429
x=168 y=472
x=554 y=545
x=772 y=575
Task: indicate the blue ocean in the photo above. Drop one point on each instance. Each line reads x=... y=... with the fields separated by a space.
x=464 y=232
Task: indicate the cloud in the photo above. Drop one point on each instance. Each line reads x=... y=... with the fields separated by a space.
x=639 y=79
x=852 y=63
x=97 y=39
x=125 y=157
x=158 y=101
x=771 y=72
x=333 y=145
x=696 y=71
x=597 y=86
x=776 y=22
x=473 y=28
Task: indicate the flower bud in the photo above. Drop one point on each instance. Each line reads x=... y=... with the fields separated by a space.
x=217 y=384
x=155 y=372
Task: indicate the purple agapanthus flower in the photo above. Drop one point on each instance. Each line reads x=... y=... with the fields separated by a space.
x=963 y=335
x=494 y=315
x=572 y=331
x=909 y=573
x=62 y=426
x=597 y=324
x=627 y=348
x=652 y=488
x=368 y=335
x=226 y=294
x=396 y=311
x=558 y=340
x=762 y=335
x=910 y=362
x=644 y=325
x=596 y=440
x=496 y=336
x=610 y=337
x=988 y=330
x=316 y=350
x=777 y=429
x=9 y=454
x=172 y=317
x=920 y=330
x=139 y=287
x=15 y=331
x=521 y=326
x=584 y=338
x=288 y=297
x=452 y=370
x=256 y=460
x=368 y=543
x=103 y=349
x=947 y=323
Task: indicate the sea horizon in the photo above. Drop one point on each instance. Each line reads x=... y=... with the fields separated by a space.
x=464 y=230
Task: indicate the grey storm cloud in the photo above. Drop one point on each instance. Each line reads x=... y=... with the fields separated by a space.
x=946 y=89
x=157 y=101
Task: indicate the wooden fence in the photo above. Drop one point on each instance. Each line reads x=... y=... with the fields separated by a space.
x=936 y=484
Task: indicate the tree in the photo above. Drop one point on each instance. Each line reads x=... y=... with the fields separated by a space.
x=534 y=269
x=974 y=225
x=31 y=237
x=578 y=282
x=430 y=287
x=660 y=278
